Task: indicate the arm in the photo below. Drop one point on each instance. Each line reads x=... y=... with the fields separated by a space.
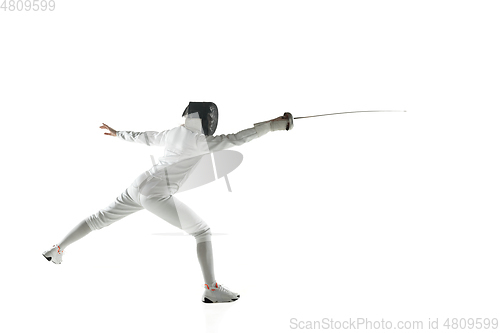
x=149 y=138
x=221 y=142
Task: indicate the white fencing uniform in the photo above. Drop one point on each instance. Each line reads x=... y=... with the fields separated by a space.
x=153 y=190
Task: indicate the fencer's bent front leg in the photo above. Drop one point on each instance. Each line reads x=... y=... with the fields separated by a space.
x=175 y=212
x=206 y=260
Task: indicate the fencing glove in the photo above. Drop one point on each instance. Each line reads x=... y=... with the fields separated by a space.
x=282 y=123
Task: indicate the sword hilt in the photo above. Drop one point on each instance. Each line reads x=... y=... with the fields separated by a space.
x=289 y=117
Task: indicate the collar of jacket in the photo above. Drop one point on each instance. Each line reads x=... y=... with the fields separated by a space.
x=194 y=124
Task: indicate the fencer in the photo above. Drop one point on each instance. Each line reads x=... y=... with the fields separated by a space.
x=154 y=189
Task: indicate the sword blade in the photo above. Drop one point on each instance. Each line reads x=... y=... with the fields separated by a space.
x=331 y=114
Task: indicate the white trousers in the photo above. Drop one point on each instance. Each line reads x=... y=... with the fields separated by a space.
x=161 y=203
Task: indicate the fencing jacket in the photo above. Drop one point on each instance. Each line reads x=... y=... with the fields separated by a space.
x=185 y=146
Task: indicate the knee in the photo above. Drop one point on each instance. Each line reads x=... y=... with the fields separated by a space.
x=203 y=236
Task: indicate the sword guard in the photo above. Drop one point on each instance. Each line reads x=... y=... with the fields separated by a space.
x=288 y=115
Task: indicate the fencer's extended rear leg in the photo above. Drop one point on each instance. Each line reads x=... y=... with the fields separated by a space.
x=81 y=230
x=123 y=206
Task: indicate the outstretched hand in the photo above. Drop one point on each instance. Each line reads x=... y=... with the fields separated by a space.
x=112 y=132
x=284 y=122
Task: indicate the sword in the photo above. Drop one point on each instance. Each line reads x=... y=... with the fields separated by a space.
x=331 y=114
x=291 y=118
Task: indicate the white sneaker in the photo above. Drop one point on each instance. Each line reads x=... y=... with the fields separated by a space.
x=218 y=294
x=55 y=254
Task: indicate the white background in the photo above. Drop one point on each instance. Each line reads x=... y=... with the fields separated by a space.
x=388 y=216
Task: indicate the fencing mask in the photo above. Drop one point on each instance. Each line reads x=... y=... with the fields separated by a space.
x=207 y=112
